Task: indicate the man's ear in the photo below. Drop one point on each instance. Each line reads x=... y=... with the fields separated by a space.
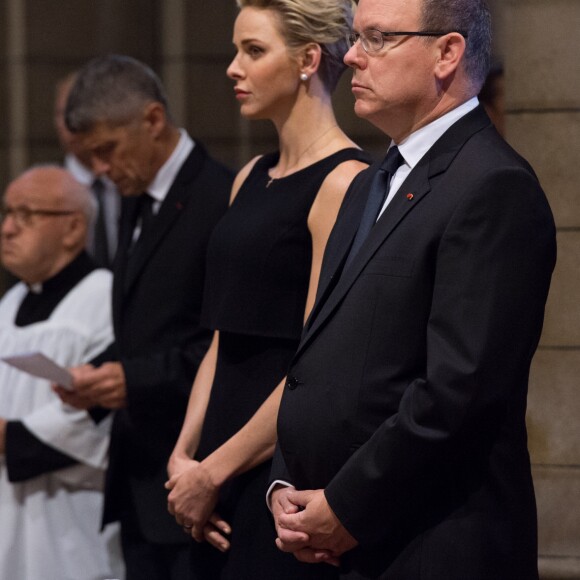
x=450 y=50
x=309 y=59
x=75 y=231
x=155 y=118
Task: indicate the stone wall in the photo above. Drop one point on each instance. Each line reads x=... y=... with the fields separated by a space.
x=543 y=123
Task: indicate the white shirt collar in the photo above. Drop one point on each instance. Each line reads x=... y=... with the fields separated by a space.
x=414 y=147
x=165 y=177
x=79 y=171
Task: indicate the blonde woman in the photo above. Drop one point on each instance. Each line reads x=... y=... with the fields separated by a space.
x=263 y=267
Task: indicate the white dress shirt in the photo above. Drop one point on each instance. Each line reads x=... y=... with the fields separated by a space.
x=162 y=182
x=414 y=147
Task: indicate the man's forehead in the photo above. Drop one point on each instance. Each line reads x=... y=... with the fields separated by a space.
x=37 y=187
x=381 y=13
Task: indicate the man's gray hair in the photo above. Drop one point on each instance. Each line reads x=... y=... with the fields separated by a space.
x=470 y=17
x=111 y=89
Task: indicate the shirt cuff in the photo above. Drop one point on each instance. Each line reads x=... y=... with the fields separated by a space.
x=271 y=489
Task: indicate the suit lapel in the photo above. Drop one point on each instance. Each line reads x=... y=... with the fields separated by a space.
x=177 y=198
x=342 y=237
x=408 y=197
x=396 y=211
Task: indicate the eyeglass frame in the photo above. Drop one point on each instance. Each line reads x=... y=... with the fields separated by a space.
x=354 y=37
x=22 y=215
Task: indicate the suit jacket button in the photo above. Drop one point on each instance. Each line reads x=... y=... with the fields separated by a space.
x=292 y=383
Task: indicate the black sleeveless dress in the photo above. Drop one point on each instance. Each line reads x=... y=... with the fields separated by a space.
x=258 y=269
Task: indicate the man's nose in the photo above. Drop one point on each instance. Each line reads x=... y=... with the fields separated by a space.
x=99 y=166
x=8 y=225
x=355 y=55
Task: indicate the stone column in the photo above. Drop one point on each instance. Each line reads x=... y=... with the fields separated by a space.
x=174 y=66
x=211 y=110
x=542 y=46
x=16 y=76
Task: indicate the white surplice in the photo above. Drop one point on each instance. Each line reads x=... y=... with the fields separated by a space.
x=50 y=524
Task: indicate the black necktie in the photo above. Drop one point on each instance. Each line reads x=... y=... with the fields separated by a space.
x=145 y=218
x=146 y=213
x=377 y=195
x=101 y=243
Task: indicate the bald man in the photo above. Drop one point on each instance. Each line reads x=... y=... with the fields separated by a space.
x=52 y=457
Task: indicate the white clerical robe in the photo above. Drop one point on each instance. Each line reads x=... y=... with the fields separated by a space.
x=50 y=524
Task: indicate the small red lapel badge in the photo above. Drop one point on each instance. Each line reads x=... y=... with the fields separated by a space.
x=410 y=196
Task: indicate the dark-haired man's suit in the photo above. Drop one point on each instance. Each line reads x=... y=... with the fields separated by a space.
x=158 y=340
x=406 y=399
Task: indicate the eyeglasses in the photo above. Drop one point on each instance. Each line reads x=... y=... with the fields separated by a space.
x=23 y=215
x=373 y=40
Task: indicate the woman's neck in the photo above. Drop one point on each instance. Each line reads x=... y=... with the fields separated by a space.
x=307 y=135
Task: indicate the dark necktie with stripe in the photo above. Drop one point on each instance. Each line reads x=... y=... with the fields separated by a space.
x=377 y=194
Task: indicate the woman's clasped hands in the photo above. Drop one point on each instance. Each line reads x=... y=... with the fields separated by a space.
x=192 y=499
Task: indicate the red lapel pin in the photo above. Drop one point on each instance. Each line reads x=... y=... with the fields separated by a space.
x=410 y=196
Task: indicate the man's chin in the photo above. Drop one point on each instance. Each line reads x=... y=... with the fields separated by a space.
x=371 y=114
x=5 y=258
x=362 y=108
x=128 y=191
x=10 y=268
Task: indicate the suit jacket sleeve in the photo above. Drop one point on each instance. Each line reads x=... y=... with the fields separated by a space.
x=279 y=471
x=109 y=354
x=491 y=277
x=172 y=368
x=151 y=378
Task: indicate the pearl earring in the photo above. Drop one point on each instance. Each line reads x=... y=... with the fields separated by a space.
x=303 y=77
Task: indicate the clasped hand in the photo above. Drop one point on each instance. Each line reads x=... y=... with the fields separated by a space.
x=308 y=528
x=192 y=500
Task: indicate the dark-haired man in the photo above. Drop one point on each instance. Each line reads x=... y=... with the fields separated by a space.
x=173 y=194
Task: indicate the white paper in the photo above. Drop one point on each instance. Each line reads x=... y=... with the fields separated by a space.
x=37 y=364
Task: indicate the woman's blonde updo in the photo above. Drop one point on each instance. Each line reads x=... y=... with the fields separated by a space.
x=325 y=22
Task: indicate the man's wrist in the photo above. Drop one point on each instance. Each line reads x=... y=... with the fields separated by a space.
x=275 y=485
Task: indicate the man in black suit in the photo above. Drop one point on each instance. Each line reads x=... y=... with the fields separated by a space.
x=402 y=425
x=173 y=194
